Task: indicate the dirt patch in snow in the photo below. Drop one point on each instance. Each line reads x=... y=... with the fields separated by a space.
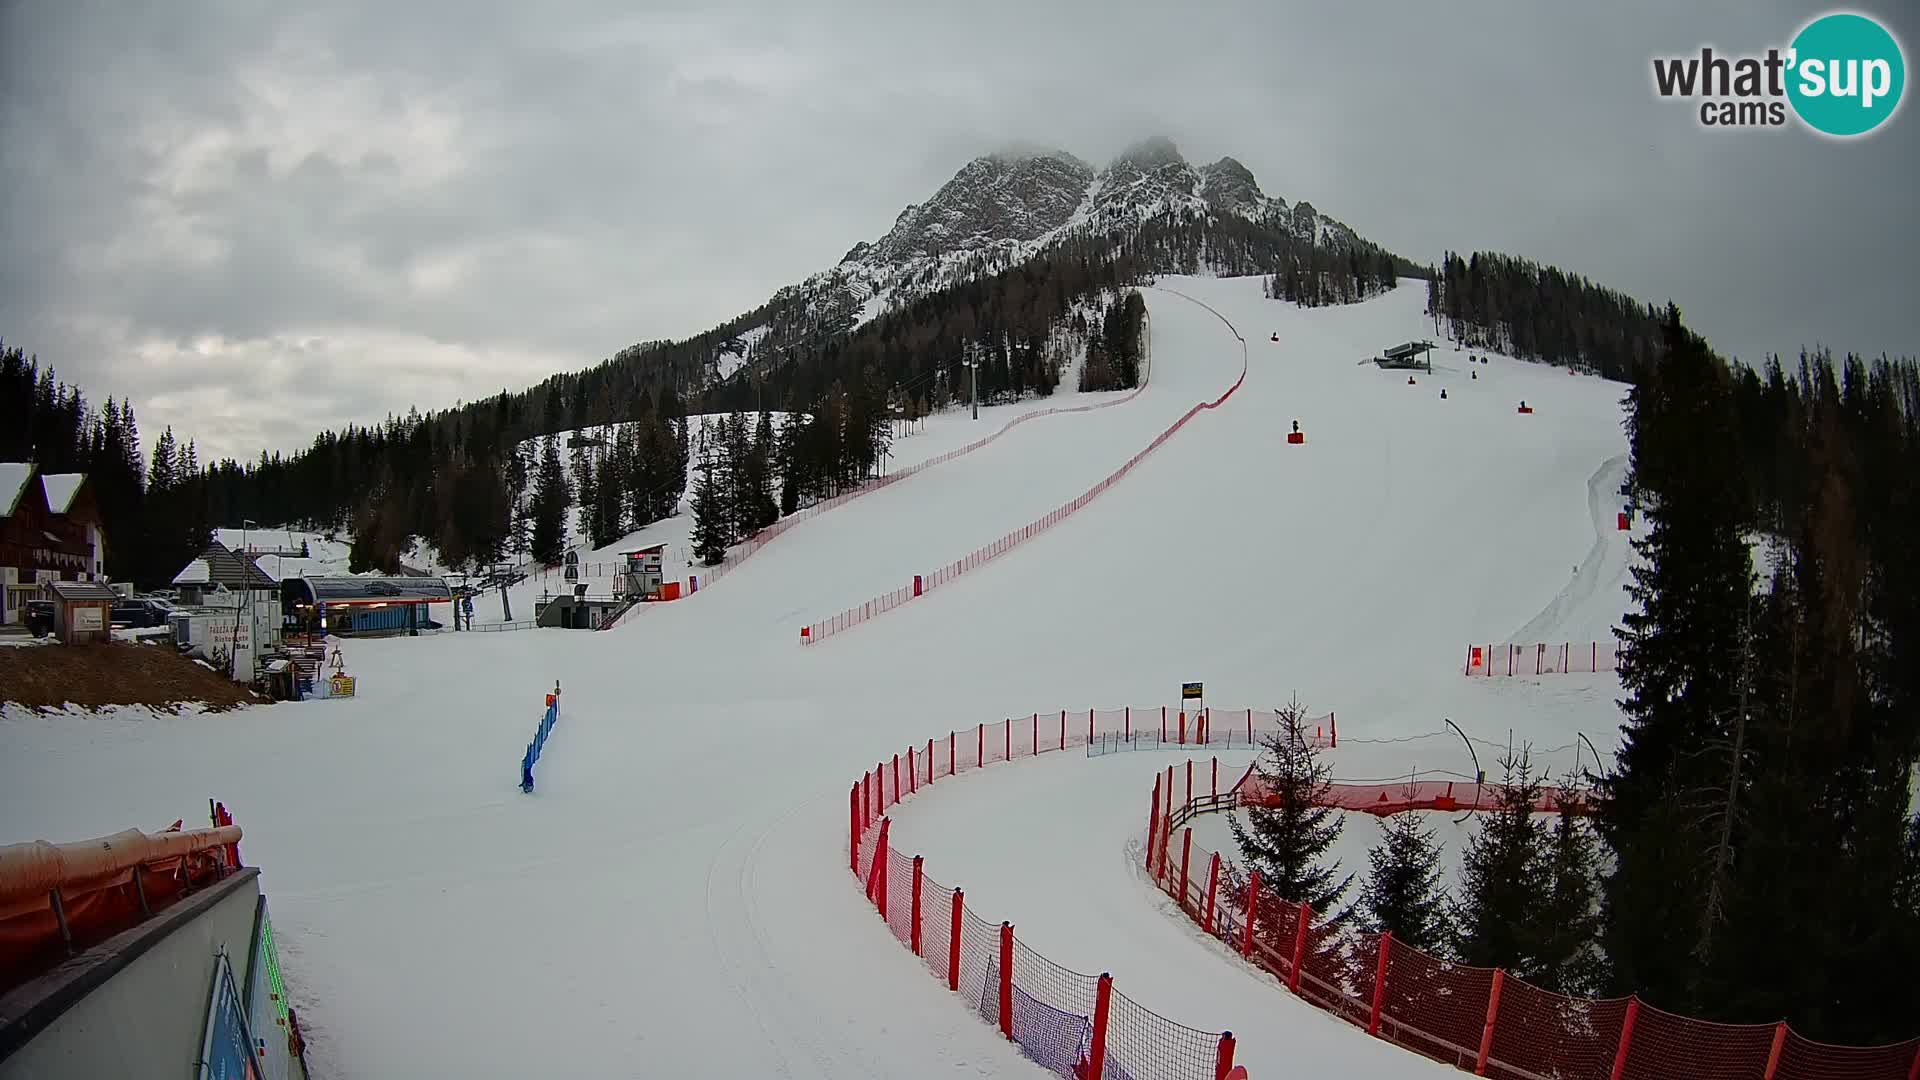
x=95 y=676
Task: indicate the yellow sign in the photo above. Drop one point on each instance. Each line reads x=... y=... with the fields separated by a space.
x=340 y=686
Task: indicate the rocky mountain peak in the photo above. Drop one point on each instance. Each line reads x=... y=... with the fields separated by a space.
x=1148 y=155
x=1014 y=195
x=1228 y=187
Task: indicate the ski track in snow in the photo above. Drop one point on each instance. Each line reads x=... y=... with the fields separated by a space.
x=1599 y=565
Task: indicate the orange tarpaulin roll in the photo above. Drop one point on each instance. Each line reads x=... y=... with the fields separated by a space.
x=29 y=871
x=99 y=896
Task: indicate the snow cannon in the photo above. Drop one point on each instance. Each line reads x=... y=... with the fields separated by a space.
x=1475 y=374
x=1526 y=409
x=1443 y=393
x=1296 y=437
x=1275 y=337
x=1410 y=380
x=1626 y=519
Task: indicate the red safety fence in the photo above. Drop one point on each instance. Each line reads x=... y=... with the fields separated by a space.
x=701 y=577
x=59 y=899
x=1480 y=1019
x=1543 y=658
x=1073 y=1024
x=923 y=583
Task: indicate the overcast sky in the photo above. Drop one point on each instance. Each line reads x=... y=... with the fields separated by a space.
x=261 y=220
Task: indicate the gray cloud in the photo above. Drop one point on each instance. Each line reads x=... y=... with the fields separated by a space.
x=259 y=223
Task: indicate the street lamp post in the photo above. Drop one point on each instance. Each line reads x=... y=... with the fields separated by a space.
x=246 y=582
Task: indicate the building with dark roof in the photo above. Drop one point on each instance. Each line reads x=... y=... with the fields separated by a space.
x=49 y=531
x=362 y=605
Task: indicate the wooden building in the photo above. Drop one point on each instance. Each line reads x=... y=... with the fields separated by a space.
x=82 y=611
x=49 y=531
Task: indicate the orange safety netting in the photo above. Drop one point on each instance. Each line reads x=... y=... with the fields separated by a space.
x=57 y=899
x=1479 y=1019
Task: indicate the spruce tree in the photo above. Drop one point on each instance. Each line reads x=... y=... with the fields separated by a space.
x=551 y=498
x=1504 y=879
x=711 y=514
x=1679 y=665
x=1569 y=927
x=1286 y=834
x=1403 y=894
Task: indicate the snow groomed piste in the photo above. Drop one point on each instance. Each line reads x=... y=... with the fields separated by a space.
x=922 y=584
x=686 y=793
x=739 y=553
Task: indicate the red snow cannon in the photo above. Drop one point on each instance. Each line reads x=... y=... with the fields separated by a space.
x=1626 y=521
x=1526 y=409
x=1296 y=437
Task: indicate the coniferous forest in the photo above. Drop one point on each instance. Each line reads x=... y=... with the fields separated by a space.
x=1758 y=844
x=468 y=480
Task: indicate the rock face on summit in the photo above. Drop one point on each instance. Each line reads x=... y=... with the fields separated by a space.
x=1003 y=209
x=993 y=199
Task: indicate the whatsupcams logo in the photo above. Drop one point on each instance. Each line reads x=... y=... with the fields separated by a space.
x=1842 y=76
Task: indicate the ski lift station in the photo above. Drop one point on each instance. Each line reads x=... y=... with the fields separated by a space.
x=362 y=605
x=1414 y=355
x=642 y=574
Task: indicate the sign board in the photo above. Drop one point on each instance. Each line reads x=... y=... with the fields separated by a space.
x=267 y=1014
x=226 y=1052
x=1190 y=691
x=340 y=686
x=88 y=618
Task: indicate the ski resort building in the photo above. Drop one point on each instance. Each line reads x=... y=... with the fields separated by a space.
x=1410 y=355
x=362 y=605
x=49 y=531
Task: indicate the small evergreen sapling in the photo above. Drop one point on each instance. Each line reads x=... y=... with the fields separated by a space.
x=1287 y=839
x=1403 y=894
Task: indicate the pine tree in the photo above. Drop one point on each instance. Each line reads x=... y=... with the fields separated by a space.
x=761 y=510
x=551 y=498
x=1286 y=834
x=711 y=514
x=586 y=484
x=1403 y=893
x=1569 y=928
x=1679 y=664
x=1504 y=878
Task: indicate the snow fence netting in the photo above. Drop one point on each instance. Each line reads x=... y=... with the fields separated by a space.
x=1049 y=1011
x=1477 y=1019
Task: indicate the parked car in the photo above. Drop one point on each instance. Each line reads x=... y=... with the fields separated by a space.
x=142 y=612
x=39 y=617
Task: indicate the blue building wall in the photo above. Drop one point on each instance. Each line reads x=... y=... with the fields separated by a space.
x=355 y=619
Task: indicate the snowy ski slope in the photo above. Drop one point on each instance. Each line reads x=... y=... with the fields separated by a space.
x=673 y=900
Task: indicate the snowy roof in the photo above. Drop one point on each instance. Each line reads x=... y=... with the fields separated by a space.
x=61 y=488
x=370 y=589
x=258 y=539
x=282 y=567
x=80 y=590
x=13 y=480
x=196 y=572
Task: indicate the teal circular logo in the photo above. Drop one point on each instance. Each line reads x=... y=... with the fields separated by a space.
x=1846 y=75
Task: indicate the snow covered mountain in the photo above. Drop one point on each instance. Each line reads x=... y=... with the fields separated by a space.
x=1004 y=208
